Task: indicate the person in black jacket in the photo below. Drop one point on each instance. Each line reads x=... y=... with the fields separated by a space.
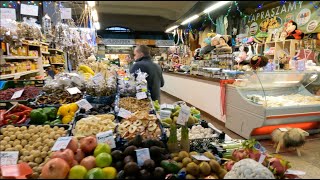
x=144 y=63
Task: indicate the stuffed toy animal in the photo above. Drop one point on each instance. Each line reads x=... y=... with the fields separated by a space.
x=223 y=44
x=292 y=31
x=258 y=62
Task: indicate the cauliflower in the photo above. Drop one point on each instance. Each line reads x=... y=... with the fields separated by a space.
x=249 y=169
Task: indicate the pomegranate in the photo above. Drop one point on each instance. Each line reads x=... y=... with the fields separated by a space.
x=79 y=155
x=74 y=162
x=73 y=144
x=66 y=154
x=88 y=144
x=88 y=162
x=55 y=168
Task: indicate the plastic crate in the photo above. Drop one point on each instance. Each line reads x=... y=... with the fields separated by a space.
x=108 y=100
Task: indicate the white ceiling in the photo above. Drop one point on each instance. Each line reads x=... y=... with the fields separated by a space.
x=171 y=10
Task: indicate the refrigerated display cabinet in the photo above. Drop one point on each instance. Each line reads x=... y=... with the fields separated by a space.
x=263 y=101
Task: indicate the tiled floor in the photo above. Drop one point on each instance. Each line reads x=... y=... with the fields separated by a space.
x=309 y=161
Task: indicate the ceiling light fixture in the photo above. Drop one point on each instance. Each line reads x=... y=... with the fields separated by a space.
x=96 y=25
x=171 y=28
x=91 y=3
x=215 y=6
x=190 y=19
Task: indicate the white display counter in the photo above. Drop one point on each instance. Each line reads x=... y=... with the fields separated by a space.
x=203 y=93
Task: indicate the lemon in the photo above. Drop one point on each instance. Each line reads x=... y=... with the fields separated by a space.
x=73 y=107
x=71 y=114
x=64 y=110
x=66 y=119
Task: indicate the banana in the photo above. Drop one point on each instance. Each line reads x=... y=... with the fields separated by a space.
x=86 y=69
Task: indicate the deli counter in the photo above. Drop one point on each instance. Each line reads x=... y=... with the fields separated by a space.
x=263 y=101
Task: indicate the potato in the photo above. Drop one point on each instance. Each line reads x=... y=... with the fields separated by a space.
x=32 y=127
x=16 y=142
x=39 y=139
x=3 y=142
x=1 y=137
x=37 y=144
x=57 y=136
x=2 y=147
x=18 y=147
x=11 y=129
x=35 y=153
x=11 y=143
x=10 y=133
x=51 y=143
x=36 y=136
x=27 y=136
x=9 y=149
x=6 y=139
x=45 y=149
x=24 y=142
x=30 y=158
x=8 y=146
x=3 y=130
x=13 y=137
x=55 y=128
x=26 y=159
x=23 y=128
x=32 y=164
x=26 y=153
x=20 y=136
x=6 y=133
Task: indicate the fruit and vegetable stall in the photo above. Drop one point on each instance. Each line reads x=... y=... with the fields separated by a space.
x=104 y=125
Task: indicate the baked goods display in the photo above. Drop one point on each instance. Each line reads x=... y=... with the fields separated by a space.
x=285 y=100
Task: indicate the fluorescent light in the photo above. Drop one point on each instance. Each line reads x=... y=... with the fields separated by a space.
x=91 y=3
x=120 y=45
x=215 y=6
x=171 y=28
x=190 y=19
x=95 y=15
x=96 y=25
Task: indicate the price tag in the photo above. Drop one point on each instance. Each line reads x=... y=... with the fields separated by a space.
x=200 y=157
x=183 y=115
x=170 y=106
x=31 y=10
x=73 y=90
x=283 y=129
x=8 y=13
x=261 y=159
x=83 y=103
x=61 y=143
x=142 y=155
x=97 y=78
x=107 y=138
x=17 y=94
x=8 y=157
x=165 y=114
x=124 y=113
x=141 y=95
x=295 y=172
x=163 y=106
x=66 y=13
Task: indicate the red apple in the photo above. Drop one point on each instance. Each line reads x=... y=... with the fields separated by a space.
x=66 y=155
x=88 y=144
x=79 y=155
x=73 y=144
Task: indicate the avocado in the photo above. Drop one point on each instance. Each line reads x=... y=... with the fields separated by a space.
x=159 y=173
x=131 y=169
x=117 y=155
x=137 y=141
x=128 y=159
x=130 y=150
x=149 y=165
x=145 y=174
x=118 y=165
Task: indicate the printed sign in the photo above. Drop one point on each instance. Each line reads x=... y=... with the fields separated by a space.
x=200 y=157
x=8 y=13
x=66 y=13
x=164 y=43
x=17 y=94
x=165 y=114
x=118 y=41
x=83 y=103
x=107 y=138
x=73 y=90
x=8 y=157
x=183 y=115
x=142 y=155
x=141 y=95
x=61 y=143
x=124 y=113
x=31 y=10
x=97 y=78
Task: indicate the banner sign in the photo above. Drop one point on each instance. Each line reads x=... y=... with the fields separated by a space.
x=164 y=43
x=8 y=13
x=119 y=41
x=303 y=13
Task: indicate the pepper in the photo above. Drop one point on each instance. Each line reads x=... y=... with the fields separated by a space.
x=23 y=107
x=12 y=117
x=24 y=118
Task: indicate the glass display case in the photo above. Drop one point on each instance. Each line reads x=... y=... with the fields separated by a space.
x=263 y=101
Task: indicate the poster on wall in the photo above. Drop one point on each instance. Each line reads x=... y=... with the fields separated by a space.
x=303 y=13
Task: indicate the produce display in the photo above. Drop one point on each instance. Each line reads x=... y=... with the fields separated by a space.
x=286 y=100
x=141 y=123
x=127 y=85
x=62 y=82
x=196 y=132
x=101 y=87
x=193 y=118
x=58 y=97
x=18 y=114
x=67 y=112
x=98 y=109
x=47 y=115
x=132 y=104
x=29 y=92
x=84 y=159
x=34 y=143
x=94 y=124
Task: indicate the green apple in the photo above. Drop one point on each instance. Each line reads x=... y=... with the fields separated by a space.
x=95 y=173
x=77 y=172
x=103 y=160
x=101 y=148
